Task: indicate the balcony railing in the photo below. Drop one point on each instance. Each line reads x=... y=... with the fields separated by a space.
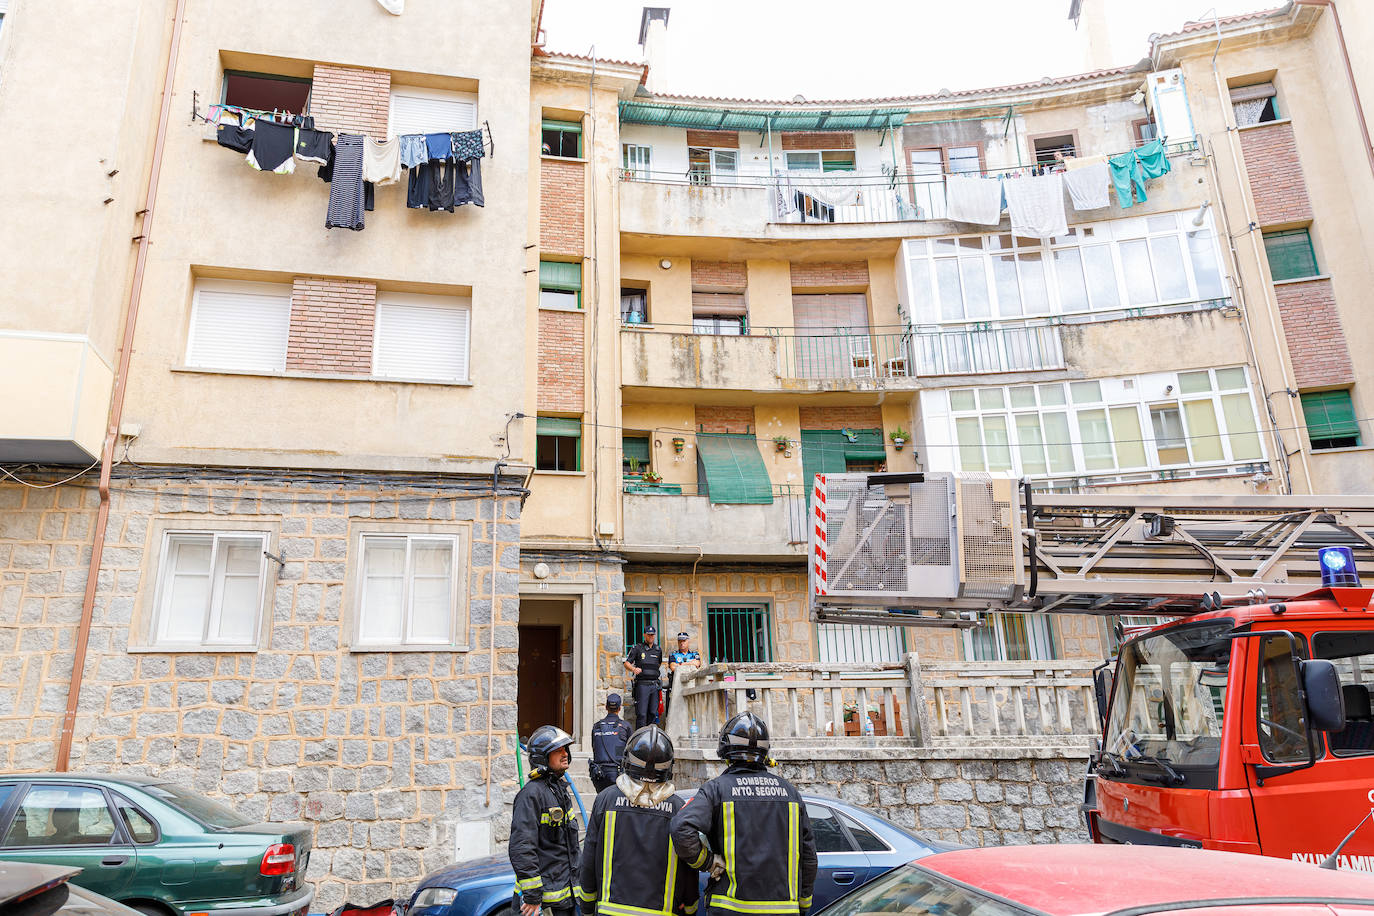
x=652 y=511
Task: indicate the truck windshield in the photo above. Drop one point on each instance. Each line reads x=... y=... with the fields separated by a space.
x=1169 y=696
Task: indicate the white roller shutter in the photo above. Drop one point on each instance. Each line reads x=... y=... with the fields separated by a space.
x=239 y=326
x=421 y=337
x=431 y=111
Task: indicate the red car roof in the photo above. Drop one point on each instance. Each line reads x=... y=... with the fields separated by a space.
x=1073 y=880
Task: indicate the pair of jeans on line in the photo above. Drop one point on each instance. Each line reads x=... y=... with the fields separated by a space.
x=440 y=185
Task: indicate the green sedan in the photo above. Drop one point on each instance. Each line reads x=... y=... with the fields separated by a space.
x=155 y=846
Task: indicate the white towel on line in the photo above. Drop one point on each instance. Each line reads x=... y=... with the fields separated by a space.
x=381 y=161
x=1088 y=186
x=972 y=199
x=1036 y=205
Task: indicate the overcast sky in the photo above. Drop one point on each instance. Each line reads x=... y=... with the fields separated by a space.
x=863 y=48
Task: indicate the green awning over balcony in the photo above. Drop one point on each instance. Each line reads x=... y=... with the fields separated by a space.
x=826 y=451
x=668 y=114
x=733 y=469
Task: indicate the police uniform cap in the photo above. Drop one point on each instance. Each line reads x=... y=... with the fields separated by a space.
x=650 y=631
x=612 y=701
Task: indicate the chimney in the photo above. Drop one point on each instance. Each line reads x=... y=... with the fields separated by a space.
x=1090 y=18
x=653 y=39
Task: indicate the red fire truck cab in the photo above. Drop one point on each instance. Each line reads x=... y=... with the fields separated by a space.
x=1245 y=728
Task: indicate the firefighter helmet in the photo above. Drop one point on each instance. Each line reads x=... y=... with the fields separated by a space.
x=545 y=740
x=649 y=755
x=745 y=738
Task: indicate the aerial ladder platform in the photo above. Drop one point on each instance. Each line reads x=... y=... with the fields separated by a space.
x=939 y=548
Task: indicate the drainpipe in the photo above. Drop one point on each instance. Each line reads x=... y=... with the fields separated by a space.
x=1349 y=74
x=83 y=633
x=491 y=649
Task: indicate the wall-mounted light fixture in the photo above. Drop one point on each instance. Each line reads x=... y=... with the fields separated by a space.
x=665 y=263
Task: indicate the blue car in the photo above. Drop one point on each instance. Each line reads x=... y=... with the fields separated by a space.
x=854 y=846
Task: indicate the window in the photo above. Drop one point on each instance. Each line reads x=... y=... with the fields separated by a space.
x=738 y=633
x=724 y=325
x=866 y=839
x=638 y=160
x=638 y=615
x=1330 y=418
x=718 y=313
x=1282 y=724
x=835 y=451
x=928 y=168
x=1290 y=254
x=558 y=444
x=421 y=337
x=1145 y=131
x=266 y=92
x=1053 y=150
x=138 y=824
x=210 y=589
x=1010 y=638
x=1352 y=652
x=857 y=643
x=635 y=457
x=1254 y=104
x=821 y=161
x=408 y=590
x=634 y=305
x=712 y=166
x=826 y=827
x=561 y=138
x=239 y=326
x=61 y=816
x=430 y=111
x=1105 y=425
x=560 y=285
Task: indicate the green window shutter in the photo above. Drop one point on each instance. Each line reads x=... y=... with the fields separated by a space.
x=823 y=452
x=635 y=447
x=867 y=445
x=734 y=469
x=1290 y=254
x=1329 y=415
x=560 y=275
x=560 y=125
x=557 y=426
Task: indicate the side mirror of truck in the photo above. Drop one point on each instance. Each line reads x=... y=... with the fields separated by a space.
x=1325 y=701
x=1102 y=690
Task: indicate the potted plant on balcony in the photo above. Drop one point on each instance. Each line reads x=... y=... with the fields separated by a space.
x=782 y=443
x=651 y=476
x=632 y=471
x=679 y=443
x=899 y=437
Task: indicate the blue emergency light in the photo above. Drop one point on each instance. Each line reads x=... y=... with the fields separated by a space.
x=1338 y=567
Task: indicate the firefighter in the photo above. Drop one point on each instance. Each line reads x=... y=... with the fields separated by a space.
x=629 y=867
x=762 y=853
x=609 y=736
x=645 y=662
x=543 y=834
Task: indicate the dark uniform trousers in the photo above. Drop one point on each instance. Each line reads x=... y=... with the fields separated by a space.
x=757 y=822
x=649 y=660
x=543 y=843
x=629 y=867
x=609 y=737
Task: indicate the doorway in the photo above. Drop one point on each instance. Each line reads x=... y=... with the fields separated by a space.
x=546 y=665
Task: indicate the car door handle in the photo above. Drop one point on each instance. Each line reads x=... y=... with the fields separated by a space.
x=843 y=877
x=112 y=861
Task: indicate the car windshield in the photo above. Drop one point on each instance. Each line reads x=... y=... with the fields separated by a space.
x=1170 y=694
x=210 y=813
x=915 y=891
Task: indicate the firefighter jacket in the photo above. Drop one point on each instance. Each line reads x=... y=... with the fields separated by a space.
x=757 y=822
x=543 y=842
x=629 y=866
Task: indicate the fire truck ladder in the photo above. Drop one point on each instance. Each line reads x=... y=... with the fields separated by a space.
x=1008 y=548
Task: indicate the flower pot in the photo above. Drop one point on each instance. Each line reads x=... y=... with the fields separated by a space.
x=899 y=444
x=679 y=444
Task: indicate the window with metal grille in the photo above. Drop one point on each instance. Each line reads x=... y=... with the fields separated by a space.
x=1050 y=150
x=738 y=633
x=562 y=138
x=1330 y=418
x=1011 y=638
x=638 y=615
x=856 y=643
x=1290 y=254
x=558 y=444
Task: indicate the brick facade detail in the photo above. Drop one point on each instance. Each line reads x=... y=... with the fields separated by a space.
x=817 y=139
x=826 y=274
x=350 y=100
x=562 y=211
x=725 y=420
x=841 y=417
x=1276 y=180
x=714 y=139
x=1316 y=341
x=332 y=323
x=719 y=276
x=561 y=361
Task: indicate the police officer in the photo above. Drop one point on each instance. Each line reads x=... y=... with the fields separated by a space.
x=543 y=835
x=608 y=744
x=762 y=852
x=629 y=866
x=645 y=661
x=684 y=659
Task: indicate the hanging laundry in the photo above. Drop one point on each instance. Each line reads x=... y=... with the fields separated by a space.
x=314 y=145
x=440 y=146
x=1154 y=159
x=973 y=199
x=1036 y=205
x=1129 y=171
x=273 y=148
x=1088 y=179
x=236 y=135
x=346 y=184
x=467 y=183
x=431 y=186
x=414 y=150
x=394 y=7
x=467 y=144
x=381 y=161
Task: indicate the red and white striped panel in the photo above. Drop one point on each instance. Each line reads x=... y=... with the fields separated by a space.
x=819 y=546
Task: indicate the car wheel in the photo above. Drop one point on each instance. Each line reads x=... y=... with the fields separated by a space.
x=150 y=909
x=507 y=910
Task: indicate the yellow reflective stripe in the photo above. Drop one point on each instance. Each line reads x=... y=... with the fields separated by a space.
x=700 y=860
x=753 y=907
x=608 y=843
x=691 y=908
x=526 y=884
x=555 y=896
x=805 y=902
x=624 y=909
x=583 y=895
x=793 y=847
x=670 y=882
x=729 y=810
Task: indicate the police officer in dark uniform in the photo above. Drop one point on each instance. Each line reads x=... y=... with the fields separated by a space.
x=762 y=854
x=543 y=835
x=644 y=662
x=629 y=867
x=609 y=736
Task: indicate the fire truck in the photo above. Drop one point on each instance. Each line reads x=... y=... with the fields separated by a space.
x=1236 y=717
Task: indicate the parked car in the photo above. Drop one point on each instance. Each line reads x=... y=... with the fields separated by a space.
x=43 y=890
x=854 y=847
x=154 y=846
x=1085 y=880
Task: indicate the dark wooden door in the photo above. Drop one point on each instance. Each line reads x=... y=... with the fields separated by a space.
x=538 y=702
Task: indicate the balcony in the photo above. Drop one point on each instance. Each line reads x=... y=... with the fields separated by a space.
x=658 y=524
